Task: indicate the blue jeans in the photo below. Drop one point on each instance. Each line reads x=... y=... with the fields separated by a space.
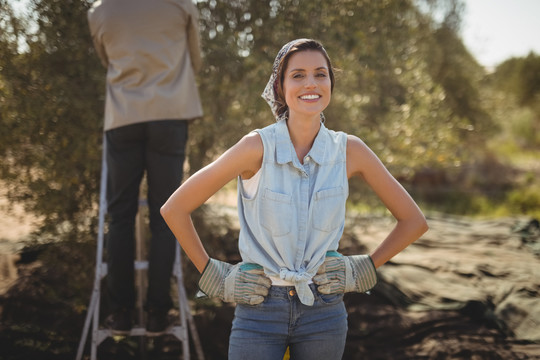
x=264 y=331
x=157 y=147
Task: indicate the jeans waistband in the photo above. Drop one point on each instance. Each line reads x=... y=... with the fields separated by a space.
x=287 y=291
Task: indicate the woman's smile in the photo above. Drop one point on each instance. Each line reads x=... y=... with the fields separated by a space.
x=310 y=97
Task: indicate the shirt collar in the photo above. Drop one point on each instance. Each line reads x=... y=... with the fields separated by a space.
x=285 y=152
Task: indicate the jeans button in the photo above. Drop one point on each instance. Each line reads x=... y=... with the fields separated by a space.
x=292 y=292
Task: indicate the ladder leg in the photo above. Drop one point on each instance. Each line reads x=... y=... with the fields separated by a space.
x=184 y=309
x=141 y=279
x=95 y=332
x=93 y=309
x=86 y=327
x=192 y=327
x=181 y=303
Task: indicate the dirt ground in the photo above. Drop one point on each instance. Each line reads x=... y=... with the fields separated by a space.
x=468 y=289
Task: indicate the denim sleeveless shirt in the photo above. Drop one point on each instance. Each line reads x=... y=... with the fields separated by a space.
x=298 y=211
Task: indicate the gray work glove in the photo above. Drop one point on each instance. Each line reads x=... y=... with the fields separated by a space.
x=243 y=283
x=341 y=274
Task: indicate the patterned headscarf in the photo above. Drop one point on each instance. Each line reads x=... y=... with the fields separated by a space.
x=270 y=91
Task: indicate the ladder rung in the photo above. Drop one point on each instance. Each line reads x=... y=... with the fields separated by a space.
x=103 y=270
x=138 y=264
x=177 y=330
x=141 y=264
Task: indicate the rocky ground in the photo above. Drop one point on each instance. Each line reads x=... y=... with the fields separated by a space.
x=468 y=289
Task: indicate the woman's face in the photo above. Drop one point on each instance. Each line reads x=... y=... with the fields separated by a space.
x=306 y=83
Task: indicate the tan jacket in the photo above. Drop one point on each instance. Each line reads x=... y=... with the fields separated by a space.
x=151 y=51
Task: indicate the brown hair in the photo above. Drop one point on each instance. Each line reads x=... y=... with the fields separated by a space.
x=301 y=45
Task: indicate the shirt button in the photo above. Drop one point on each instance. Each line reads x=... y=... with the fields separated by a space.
x=292 y=292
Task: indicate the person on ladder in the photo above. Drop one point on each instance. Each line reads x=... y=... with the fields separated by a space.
x=151 y=50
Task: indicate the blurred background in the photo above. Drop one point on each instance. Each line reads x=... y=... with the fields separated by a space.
x=446 y=92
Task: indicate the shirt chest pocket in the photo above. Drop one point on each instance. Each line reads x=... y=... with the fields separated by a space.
x=277 y=213
x=329 y=209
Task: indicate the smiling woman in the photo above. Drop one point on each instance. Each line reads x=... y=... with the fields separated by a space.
x=292 y=188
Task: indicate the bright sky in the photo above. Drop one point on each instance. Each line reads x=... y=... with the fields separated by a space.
x=495 y=30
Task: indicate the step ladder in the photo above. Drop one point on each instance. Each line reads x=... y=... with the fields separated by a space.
x=185 y=319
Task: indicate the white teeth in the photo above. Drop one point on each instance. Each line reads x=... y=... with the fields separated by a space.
x=309 y=97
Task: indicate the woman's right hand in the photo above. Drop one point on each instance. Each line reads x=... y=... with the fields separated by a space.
x=243 y=283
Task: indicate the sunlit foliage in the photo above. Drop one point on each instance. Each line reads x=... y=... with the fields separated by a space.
x=406 y=86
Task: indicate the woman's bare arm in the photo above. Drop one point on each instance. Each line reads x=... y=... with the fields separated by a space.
x=411 y=223
x=244 y=158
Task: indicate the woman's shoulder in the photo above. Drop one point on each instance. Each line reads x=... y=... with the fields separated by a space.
x=356 y=145
x=360 y=158
x=247 y=154
x=251 y=142
x=353 y=139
